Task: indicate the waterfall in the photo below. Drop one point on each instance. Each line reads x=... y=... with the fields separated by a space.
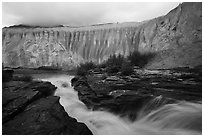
x=156 y=117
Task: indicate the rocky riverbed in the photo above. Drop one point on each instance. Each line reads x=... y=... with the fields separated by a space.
x=30 y=107
x=126 y=95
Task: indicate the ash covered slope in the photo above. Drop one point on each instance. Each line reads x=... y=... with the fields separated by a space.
x=175 y=37
x=180 y=31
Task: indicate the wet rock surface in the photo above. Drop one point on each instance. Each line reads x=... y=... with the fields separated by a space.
x=126 y=95
x=29 y=108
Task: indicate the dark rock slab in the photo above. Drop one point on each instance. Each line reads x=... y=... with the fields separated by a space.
x=44 y=117
x=7 y=75
x=29 y=108
x=17 y=95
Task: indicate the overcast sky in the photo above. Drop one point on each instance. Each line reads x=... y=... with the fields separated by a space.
x=79 y=14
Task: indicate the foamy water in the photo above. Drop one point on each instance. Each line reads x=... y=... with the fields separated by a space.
x=180 y=118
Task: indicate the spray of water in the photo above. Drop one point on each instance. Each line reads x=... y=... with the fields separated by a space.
x=156 y=117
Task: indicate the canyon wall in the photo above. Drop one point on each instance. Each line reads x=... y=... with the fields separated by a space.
x=176 y=38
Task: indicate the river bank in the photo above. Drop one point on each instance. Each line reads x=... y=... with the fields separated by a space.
x=144 y=92
x=31 y=108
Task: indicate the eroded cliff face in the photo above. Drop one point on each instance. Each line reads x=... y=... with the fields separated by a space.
x=171 y=36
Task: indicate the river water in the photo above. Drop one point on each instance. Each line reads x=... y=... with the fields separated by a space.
x=179 y=118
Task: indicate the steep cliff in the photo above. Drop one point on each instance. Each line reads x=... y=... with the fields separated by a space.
x=175 y=38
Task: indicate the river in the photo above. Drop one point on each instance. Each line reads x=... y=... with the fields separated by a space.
x=179 y=118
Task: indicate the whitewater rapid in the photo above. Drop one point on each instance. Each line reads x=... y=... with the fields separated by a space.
x=180 y=118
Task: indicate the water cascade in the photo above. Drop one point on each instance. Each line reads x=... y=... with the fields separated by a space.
x=177 y=118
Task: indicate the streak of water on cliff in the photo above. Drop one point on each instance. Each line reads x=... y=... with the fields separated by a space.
x=178 y=118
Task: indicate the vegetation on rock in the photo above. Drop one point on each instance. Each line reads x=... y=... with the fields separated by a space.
x=118 y=63
x=84 y=68
x=138 y=59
